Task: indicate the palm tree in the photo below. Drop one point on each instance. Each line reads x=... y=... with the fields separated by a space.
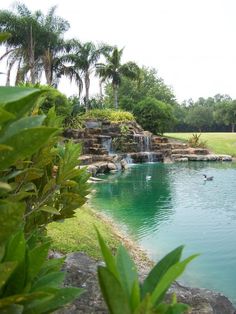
x=113 y=70
x=36 y=43
x=83 y=58
x=24 y=28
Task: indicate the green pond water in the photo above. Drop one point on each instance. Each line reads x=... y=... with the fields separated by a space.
x=165 y=205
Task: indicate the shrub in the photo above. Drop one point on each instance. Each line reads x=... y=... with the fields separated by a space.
x=154 y=115
x=108 y=114
x=50 y=98
x=38 y=184
x=122 y=290
x=195 y=141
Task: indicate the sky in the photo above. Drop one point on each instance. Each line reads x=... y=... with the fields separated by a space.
x=192 y=43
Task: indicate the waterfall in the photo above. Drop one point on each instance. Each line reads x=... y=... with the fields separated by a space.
x=128 y=159
x=144 y=142
x=107 y=143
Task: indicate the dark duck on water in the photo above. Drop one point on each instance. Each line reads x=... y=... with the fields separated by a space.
x=206 y=178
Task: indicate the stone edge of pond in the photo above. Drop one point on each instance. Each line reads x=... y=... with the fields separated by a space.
x=81 y=271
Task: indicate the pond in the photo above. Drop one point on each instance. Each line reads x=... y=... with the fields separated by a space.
x=164 y=205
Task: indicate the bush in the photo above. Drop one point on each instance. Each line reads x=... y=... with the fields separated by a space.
x=154 y=115
x=195 y=141
x=38 y=184
x=50 y=98
x=108 y=114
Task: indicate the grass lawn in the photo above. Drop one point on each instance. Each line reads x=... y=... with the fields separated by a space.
x=78 y=233
x=220 y=143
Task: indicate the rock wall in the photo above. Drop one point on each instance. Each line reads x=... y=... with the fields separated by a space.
x=102 y=140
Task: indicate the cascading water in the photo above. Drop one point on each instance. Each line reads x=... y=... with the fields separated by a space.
x=144 y=145
x=107 y=143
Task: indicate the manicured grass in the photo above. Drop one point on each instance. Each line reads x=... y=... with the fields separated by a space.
x=78 y=233
x=220 y=143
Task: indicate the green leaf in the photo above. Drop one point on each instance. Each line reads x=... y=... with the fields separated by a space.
x=6 y=269
x=11 y=217
x=115 y=297
x=49 y=209
x=169 y=277
x=16 y=252
x=160 y=269
x=21 y=124
x=127 y=270
x=108 y=257
x=16 y=248
x=135 y=295
x=51 y=265
x=5 y=115
x=19 y=100
x=51 y=280
x=146 y=307
x=22 y=298
x=60 y=298
x=37 y=257
x=25 y=143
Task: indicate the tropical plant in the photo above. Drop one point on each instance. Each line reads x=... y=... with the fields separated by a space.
x=195 y=141
x=113 y=70
x=36 y=44
x=39 y=183
x=29 y=282
x=122 y=290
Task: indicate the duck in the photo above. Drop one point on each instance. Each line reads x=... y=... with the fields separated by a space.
x=206 y=178
x=148 y=178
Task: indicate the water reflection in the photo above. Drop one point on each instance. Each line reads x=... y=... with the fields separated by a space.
x=142 y=193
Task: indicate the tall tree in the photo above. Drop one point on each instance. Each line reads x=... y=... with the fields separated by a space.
x=83 y=58
x=24 y=28
x=36 y=43
x=226 y=113
x=114 y=70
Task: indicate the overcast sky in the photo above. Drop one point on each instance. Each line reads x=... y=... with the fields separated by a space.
x=192 y=43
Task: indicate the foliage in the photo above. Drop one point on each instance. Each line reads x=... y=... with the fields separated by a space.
x=109 y=114
x=195 y=141
x=205 y=114
x=39 y=183
x=114 y=70
x=199 y=117
x=119 y=143
x=132 y=92
x=35 y=43
x=153 y=115
x=29 y=282
x=51 y=98
x=44 y=174
x=226 y=113
x=122 y=291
